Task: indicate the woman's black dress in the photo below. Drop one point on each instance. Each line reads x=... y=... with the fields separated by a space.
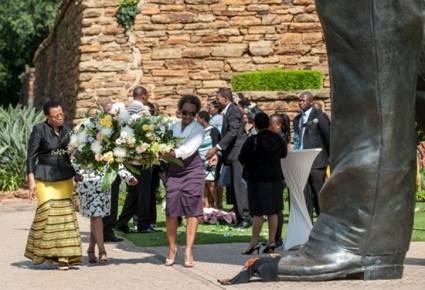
x=261 y=155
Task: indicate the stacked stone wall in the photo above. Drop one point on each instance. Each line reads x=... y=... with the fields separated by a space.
x=177 y=47
x=57 y=60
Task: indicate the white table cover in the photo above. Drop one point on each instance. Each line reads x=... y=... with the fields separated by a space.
x=296 y=169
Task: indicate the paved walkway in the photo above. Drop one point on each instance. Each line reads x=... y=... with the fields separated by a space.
x=131 y=267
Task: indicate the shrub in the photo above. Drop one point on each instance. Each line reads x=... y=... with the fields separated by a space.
x=127 y=12
x=277 y=80
x=420 y=133
x=16 y=125
x=420 y=196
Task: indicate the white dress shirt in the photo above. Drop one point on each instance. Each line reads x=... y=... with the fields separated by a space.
x=303 y=121
x=191 y=138
x=223 y=113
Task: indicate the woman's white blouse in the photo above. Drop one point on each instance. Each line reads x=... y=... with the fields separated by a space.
x=191 y=138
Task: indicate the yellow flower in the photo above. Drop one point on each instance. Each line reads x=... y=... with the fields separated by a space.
x=146 y=127
x=108 y=157
x=106 y=121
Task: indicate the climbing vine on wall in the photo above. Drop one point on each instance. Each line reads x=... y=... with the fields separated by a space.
x=127 y=12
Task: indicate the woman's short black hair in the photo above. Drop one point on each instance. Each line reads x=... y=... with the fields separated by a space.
x=194 y=100
x=204 y=116
x=261 y=121
x=50 y=104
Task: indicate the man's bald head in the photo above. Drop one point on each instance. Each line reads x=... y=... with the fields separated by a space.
x=140 y=94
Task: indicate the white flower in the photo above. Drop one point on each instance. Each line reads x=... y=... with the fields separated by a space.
x=88 y=123
x=131 y=141
x=164 y=148
x=81 y=146
x=96 y=147
x=74 y=141
x=117 y=107
x=133 y=118
x=82 y=136
x=127 y=132
x=118 y=141
x=123 y=116
x=119 y=160
x=106 y=131
x=146 y=111
x=120 y=152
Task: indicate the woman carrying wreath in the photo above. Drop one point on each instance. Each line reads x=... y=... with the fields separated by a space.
x=185 y=184
x=54 y=236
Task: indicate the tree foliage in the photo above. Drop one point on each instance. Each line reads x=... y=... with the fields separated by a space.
x=23 y=26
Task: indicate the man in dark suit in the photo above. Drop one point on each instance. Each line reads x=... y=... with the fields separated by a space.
x=313 y=129
x=139 y=197
x=230 y=146
x=110 y=221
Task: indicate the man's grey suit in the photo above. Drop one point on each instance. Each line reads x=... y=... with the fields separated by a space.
x=231 y=143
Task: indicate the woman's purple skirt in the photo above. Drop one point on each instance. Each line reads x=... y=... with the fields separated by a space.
x=185 y=186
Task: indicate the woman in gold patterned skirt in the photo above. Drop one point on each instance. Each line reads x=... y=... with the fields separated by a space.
x=54 y=236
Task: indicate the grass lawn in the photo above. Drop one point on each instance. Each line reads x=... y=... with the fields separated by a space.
x=419 y=224
x=222 y=233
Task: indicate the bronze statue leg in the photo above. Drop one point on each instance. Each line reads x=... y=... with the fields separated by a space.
x=367 y=205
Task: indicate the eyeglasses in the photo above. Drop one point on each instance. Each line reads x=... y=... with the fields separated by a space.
x=58 y=116
x=187 y=113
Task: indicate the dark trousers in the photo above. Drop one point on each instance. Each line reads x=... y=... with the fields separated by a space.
x=154 y=188
x=240 y=192
x=110 y=221
x=314 y=184
x=138 y=201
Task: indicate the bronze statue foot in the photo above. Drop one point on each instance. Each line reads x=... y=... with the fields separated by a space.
x=305 y=265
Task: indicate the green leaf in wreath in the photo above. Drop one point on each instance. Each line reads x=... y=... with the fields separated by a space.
x=133 y=169
x=109 y=178
x=174 y=160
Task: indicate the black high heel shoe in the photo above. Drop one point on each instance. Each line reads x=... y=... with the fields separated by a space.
x=269 y=249
x=252 y=250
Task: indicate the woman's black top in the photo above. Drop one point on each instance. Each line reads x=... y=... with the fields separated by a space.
x=47 y=157
x=261 y=155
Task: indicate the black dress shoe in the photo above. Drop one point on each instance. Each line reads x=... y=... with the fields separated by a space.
x=147 y=230
x=112 y=239
x=125 y=230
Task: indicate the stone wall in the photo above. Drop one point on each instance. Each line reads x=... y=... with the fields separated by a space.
x=177 y=47
x=57 y=59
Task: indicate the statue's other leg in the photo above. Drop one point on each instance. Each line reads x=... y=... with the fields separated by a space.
x=367 y=204
x=420 y=108
x=420 y=93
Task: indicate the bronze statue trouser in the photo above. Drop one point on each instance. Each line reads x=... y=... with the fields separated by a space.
x=368 y=203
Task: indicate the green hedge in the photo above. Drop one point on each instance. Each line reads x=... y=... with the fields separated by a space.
x=277 y=80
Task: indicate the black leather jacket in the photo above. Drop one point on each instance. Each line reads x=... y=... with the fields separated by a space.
x=47 y=157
